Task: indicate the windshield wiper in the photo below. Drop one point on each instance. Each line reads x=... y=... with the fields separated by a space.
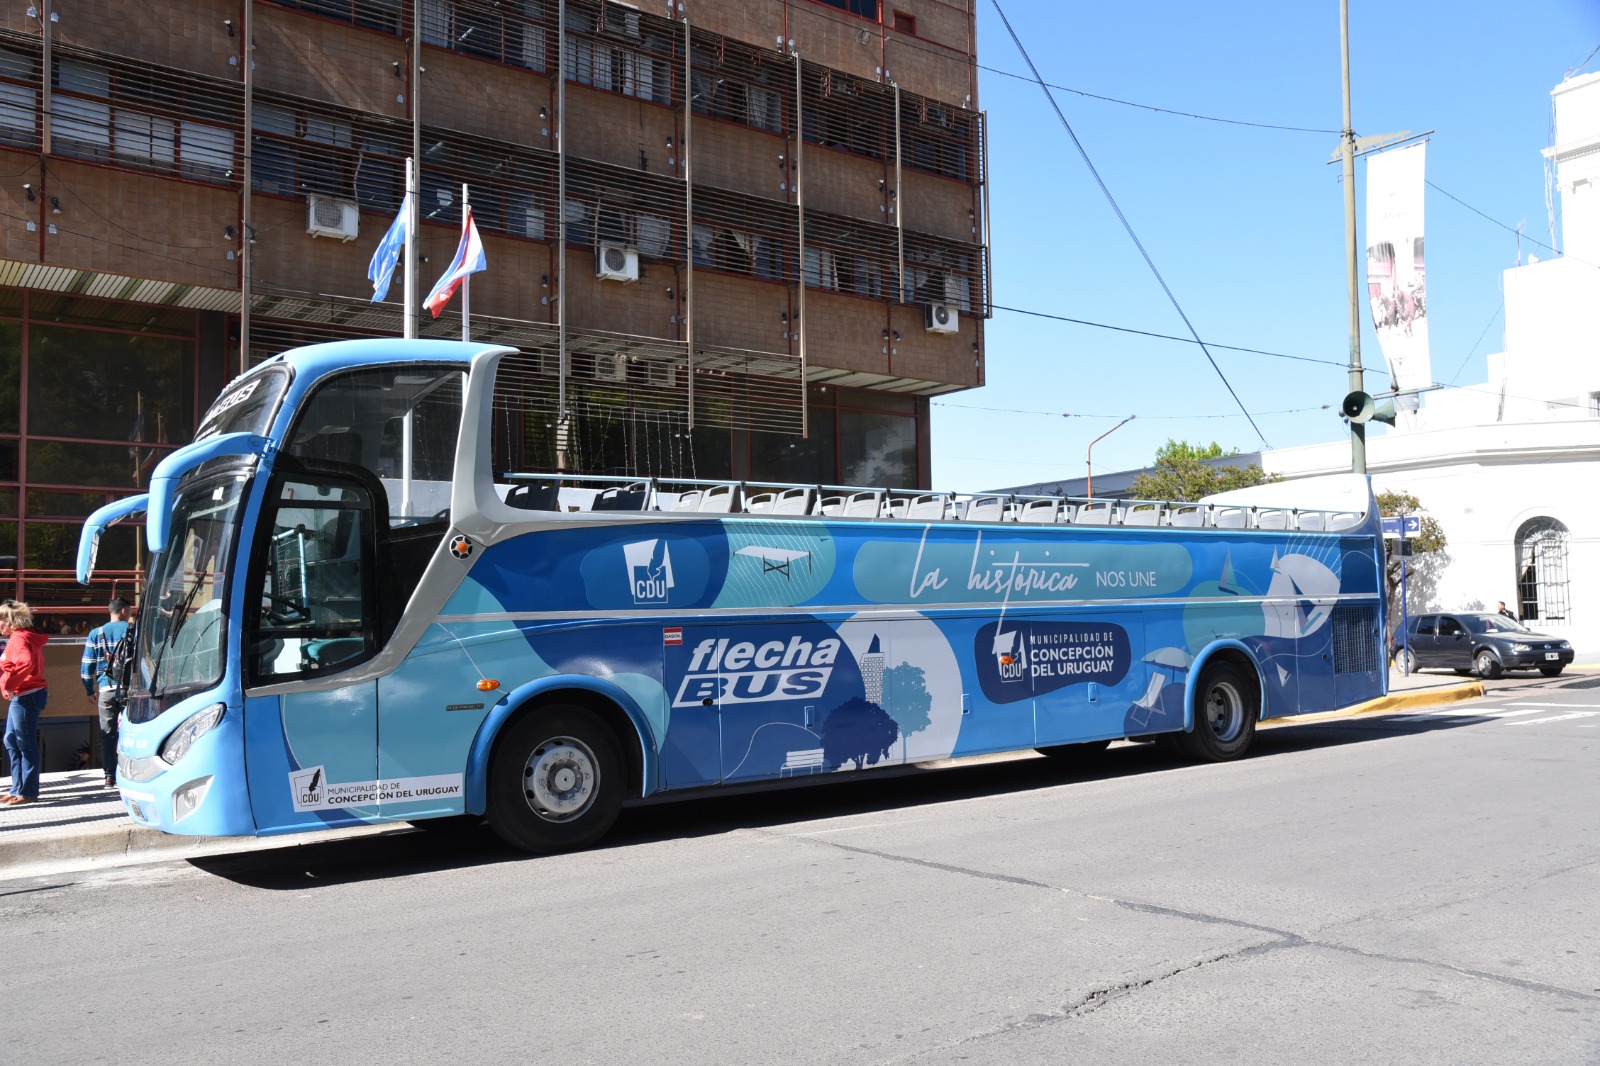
x=179 y=616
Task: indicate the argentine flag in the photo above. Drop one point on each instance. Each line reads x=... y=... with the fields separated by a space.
x=381 y=269
x=469 y=260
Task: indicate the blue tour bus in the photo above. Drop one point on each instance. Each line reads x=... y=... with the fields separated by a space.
x=353 y=616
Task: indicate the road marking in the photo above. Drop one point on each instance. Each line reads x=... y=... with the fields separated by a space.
x=1558 y=718
x=1550 y=705
x=1511 y=714
x=1452 y=713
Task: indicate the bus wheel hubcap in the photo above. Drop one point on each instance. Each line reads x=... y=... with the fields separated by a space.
x=1225 y=712
x=559 y=779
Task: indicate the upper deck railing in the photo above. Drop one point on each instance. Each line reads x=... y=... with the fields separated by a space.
x=590 y=492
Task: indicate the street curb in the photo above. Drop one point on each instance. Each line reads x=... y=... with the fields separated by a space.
x=1399 y=701
x=130 y=842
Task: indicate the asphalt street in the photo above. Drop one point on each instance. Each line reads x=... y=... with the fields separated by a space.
x=1414 y=887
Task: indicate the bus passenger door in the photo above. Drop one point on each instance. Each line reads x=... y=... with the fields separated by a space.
x=312 y=744
x=691 y=753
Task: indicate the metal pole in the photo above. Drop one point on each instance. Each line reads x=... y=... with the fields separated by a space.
x=688 y=209
x=1088 y=456
x=988 y=265
x=561 y=226
x=247 y=58
x=800 y=228
x=411 y=251
x=46 y=82
x=1347 y=147
x=1405 y=664
x=408 y=422
x=466 y=282
x=894 y=205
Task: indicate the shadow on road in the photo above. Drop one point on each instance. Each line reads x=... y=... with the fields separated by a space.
x=460 y=845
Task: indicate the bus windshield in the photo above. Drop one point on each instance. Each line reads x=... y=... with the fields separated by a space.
x=247 y=405
x=181 y=639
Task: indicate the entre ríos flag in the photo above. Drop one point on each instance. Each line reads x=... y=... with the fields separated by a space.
x=469 y=260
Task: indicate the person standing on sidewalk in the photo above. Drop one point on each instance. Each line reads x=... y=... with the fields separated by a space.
x=99 y=653
x=22 y=683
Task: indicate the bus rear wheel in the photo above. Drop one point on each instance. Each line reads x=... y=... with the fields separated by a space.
x=1225 y=712
x=556 y=781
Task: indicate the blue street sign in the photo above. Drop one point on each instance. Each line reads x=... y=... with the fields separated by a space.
x=1402 y=526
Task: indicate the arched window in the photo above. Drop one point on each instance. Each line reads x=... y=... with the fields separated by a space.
x=1542 y=570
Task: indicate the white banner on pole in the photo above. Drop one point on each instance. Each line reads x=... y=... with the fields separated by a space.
x=1396 y=280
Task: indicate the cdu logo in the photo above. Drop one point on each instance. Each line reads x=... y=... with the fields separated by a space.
x=307 y=788
x=1010 y=658
x=649 y=570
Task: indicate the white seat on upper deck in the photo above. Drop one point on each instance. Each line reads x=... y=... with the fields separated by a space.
x=985 y=509
x=796 y=500
x=719 y=499
x=1038 y=512
x=865 y=504
x=1096 y=513
x=928 y=505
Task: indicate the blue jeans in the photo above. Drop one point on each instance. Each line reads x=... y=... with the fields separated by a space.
x=110 y=710
x=22 y=742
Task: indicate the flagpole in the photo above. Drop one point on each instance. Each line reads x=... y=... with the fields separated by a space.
x=411 y=249
x=466 y=282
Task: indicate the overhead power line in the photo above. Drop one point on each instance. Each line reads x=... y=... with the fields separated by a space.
x=1126 y=225
x=1160 y=110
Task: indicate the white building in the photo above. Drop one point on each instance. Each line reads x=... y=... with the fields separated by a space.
x=1510 y=468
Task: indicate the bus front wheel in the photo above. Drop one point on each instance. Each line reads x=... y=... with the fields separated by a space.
x=556 y=781
x=1225 y=712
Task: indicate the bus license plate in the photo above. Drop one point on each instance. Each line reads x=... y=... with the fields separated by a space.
x=1551 y=655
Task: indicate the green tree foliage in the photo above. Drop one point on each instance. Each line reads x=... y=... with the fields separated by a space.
x=1182 y=475
x=1428 y=558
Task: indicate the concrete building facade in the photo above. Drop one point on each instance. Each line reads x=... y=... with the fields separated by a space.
x=733 y=238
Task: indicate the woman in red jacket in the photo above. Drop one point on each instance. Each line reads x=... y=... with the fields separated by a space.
x=22 y=683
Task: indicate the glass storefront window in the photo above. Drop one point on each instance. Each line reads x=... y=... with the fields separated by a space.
x=792 y=458
x=52 y=462
x=877 y=449
x=109 y=386
x=64 y=504
x=10 y=377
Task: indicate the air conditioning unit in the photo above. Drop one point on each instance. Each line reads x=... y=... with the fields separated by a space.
x=942 y=318
x=610 y=366
x=661 y=375
x=327 y=217
x=616 y=262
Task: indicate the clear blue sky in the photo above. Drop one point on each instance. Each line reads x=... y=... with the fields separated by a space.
x=1245 y=224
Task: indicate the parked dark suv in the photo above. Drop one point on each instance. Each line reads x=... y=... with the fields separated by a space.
x=1485 y=644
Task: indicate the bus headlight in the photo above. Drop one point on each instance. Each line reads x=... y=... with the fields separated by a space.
x=193 y=728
